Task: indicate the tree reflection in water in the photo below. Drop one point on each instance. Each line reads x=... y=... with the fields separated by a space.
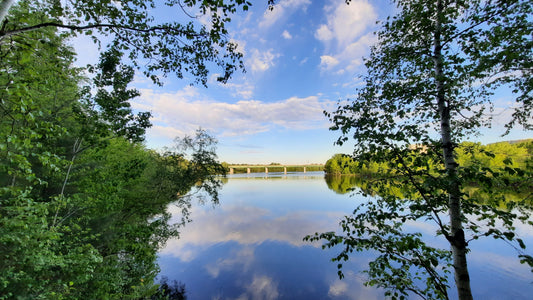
x=174 y=290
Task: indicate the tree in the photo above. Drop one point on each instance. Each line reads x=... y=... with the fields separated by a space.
x=39 y=89
x=430 y=84
x=160 y=47
x=117 y=205
x=82 y=201
x=109 y=108
x=334 y=165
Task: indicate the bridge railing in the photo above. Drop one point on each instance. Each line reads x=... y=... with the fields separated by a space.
x=274 y=168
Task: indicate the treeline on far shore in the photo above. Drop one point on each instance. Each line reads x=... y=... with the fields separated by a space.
x=513 y=154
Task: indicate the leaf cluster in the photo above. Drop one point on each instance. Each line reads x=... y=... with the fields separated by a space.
x=409 y=187
x=182 y=45
x=83 y=204
x=430 y=82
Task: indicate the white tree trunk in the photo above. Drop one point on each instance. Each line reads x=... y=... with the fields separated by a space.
x=456 y=235
x=4 y=8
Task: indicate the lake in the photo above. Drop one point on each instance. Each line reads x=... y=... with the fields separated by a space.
x=250 y=246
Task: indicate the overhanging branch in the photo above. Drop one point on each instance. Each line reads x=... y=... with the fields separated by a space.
x=166 y=29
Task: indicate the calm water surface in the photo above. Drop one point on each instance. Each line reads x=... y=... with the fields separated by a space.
x=250 y=246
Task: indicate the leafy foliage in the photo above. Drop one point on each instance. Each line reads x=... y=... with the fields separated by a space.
x=181 y=45
x=430 y=83
x=510 y=161
x=342 y=164
x=83 y=204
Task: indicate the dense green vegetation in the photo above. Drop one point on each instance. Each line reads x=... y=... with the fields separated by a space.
x=493 y=157
x=343 y=164
x=83 y=203
x=431 y=80
x=506 y=162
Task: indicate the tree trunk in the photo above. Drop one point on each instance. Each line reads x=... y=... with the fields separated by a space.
x=456 y=236
x=4 y=8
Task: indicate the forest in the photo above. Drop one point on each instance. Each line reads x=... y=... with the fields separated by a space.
x=496 y=155
x=513 y=158
x=83 y=202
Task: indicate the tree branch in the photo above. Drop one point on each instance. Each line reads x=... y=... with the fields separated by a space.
x=167 y=29
x=486 y=18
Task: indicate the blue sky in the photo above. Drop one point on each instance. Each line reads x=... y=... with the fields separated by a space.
x=301 y=58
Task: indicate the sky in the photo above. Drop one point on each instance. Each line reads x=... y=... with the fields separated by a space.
x=300 y=59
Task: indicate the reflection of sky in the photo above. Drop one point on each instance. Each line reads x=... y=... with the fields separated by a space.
x=251 y=247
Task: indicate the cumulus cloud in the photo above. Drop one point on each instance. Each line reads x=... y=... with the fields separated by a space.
x=158 y=131
x=337 y=288
x=261 y=61
x=243 y=257
x=263 y=287
x=323 y=33
x=346 y=34
x=328 y=62
x=286 y=35
x=281 y=10
x=226 y=225
x=352 y=286
x=243 y=90
x=240 y=89
x=346 y=23
x=186 y=110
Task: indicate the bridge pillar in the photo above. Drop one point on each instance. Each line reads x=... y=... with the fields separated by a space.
x=248 y=170
x=285 y=170
x=231 y=171
x=266 y=170
x=305 y=171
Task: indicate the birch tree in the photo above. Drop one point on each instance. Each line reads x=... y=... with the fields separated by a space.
x=430 y=84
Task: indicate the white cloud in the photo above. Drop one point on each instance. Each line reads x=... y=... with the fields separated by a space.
x=226 y=224
x=345 y=23
x=353 y=53
x=263 y=287
x=281 y=9
x=262 y=61
x=286 y=35
x=323 y=33
x=158 y=131
x=346 y=34
x=352 y=286
x=186 y=110
x=271 y=17
x=240 y=90
x=244 y=257
x=328 y=62
x=338 y=288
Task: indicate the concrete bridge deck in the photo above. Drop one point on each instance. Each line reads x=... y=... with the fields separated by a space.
x=273 y=168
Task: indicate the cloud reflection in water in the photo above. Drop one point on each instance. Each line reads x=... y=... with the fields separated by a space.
x=247 y=226
x=251 y=247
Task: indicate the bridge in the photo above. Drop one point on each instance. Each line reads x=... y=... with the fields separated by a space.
x=233 y=169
